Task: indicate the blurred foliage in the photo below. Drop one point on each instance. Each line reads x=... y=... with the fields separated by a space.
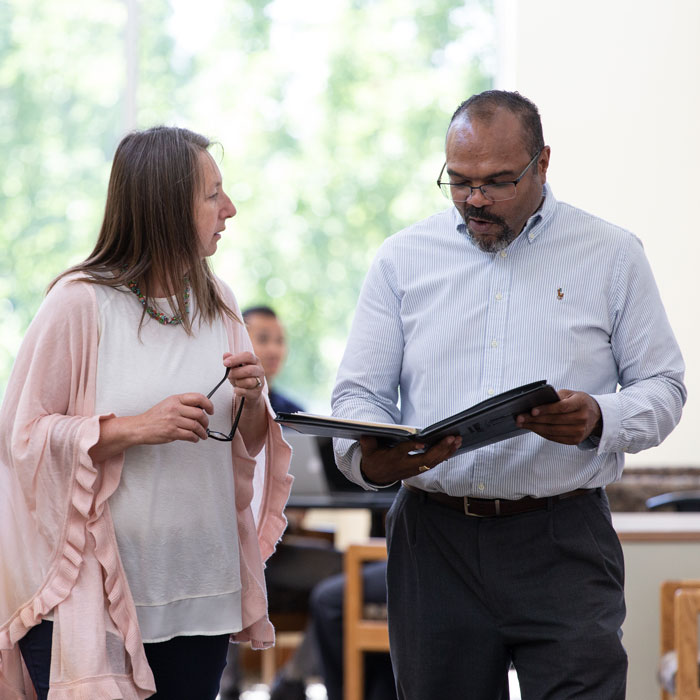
x=331 y=116
x=60 y=117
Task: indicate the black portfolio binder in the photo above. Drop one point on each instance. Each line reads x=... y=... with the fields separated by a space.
x=482 y=424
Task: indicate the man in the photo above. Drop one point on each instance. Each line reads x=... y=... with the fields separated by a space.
x=270 y=344
x=507 y=553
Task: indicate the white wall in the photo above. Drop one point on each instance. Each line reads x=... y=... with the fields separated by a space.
x=617 y=83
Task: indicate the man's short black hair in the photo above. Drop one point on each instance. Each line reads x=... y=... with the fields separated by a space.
x=262 y=310
x=483 y=106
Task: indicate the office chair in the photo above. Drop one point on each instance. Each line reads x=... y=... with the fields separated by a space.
x=679 y=501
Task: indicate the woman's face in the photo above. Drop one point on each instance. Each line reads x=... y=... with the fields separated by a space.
x=212 y=206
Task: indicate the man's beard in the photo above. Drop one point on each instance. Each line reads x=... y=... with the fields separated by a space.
x=489 y=245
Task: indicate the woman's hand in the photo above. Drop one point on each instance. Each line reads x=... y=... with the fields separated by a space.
x=248 y=379
x=179 y=417
x=246 y=376
x=184 y=416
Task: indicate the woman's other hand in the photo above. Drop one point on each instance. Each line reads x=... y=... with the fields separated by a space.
x=248 y=379
x=246 y=376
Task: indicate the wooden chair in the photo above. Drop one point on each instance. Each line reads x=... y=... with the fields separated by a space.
x=360 y=633
x=680 y=606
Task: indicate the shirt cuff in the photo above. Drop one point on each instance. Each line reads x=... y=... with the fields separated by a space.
x=590 y=443
x=609 y=439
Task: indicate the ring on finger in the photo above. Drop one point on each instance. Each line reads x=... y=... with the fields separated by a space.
x=258 y=383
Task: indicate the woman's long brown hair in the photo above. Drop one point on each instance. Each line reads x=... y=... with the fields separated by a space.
x=148 y=233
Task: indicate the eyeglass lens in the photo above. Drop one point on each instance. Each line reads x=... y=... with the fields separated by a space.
x=496 y=192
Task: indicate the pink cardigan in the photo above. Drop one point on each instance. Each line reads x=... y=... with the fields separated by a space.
x=57 y=545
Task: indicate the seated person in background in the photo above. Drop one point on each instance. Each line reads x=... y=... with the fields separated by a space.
x=300 y=560
x=270 y=343
x=327 y=624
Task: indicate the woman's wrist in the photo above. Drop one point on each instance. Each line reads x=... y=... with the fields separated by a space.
x=117 y=434
x=253 y=426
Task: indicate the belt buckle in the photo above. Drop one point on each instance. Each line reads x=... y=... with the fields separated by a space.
x=497 y=503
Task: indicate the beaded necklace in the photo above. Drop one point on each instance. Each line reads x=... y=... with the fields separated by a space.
x=157 y=315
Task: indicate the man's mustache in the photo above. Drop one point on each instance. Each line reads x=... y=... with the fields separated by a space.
x=481 y=213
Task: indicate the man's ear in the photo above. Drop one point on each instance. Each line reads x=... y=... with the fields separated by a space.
x=543 y=163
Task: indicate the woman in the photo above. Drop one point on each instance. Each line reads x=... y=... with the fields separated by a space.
x=131 y=545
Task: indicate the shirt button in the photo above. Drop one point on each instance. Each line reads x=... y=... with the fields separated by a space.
x=499 y=296
x=481 y=487
x=490 y=392
x=530 y=236
x=504 y=254
x=494 y=343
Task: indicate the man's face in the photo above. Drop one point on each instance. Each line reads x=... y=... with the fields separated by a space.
x=482 y=152
x=269 y=343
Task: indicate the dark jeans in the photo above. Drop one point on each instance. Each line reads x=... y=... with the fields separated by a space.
x=183 y=667
x=36 y=651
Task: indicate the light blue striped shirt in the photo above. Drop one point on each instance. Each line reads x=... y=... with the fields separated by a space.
x=441 y=325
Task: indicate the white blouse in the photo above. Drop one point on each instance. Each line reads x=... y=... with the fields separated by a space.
x=174 y=510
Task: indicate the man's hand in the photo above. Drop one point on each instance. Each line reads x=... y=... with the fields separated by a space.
x=384 y=465
x=569 y=421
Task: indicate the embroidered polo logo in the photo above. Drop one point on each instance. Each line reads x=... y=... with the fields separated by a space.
x=560 y=294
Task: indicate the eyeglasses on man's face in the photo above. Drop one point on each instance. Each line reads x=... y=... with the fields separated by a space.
x=215 y=434
x=494 y=191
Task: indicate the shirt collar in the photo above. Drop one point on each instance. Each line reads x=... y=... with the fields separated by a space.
x=533 y=226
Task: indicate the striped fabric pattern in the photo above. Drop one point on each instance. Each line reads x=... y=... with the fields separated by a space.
x=441 y=325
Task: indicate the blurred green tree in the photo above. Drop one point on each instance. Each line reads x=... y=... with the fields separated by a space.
x=333 y=125
x=62 y=94
x=331 y=115
x=60 y=117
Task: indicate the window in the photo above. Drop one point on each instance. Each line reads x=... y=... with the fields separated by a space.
x=331 y=116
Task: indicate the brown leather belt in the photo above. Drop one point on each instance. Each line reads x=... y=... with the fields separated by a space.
x=490 y=508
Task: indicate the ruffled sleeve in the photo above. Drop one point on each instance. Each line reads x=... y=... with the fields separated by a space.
x=52 y=508
x=263 y=484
